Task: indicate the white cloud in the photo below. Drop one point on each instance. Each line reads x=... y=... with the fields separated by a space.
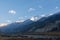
x=20 y=21
x=34 y=18
x=43 y=15
x=20 y=17
x=50 y=14
x=56 y=7
x=12 y=11
x=31 y=9
x=3 y=24
x=40 y=7
x=8 y=21
x=25 y=16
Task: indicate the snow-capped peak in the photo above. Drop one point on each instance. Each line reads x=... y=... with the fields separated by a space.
x=34 y=18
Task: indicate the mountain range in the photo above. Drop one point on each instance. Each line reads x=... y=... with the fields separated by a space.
x=45 y=24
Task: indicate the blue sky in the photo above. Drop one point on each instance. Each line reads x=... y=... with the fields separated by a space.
x=13 y=10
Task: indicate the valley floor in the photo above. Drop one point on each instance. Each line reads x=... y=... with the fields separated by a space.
x=50 y=36
x=18 y=38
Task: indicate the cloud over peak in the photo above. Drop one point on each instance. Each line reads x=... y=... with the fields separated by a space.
x=43 y=15
x=31 y=9
x=12 y=11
